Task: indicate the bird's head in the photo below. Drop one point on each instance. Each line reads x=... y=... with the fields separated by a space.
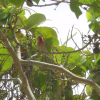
x=40 y=40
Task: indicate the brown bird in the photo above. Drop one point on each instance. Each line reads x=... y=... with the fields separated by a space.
x=41 y=44
x=42 y=48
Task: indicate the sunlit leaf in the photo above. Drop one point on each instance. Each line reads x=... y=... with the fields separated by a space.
x=34 y=20
x=6 y=11
x=22 y=13
x=89 y=16
x=47 y=32
x=87 y=52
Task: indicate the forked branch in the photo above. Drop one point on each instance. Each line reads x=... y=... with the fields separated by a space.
x=62 y=70
x=18 y=67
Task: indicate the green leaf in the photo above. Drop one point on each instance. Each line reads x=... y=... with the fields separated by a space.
x=46 y=32
x=20 y=21
x=11 y=13
x=10 y=34
x=60 y=57
x=83 y=67
x=40 y=81
x=79 y=97
x=44 y=87
x=87 y=63
x=2 y=15
x=6 y=59
x=71 y=66
x=96 y=11
x=87 y=52
x=95 y=97
x=3 y=21
x=37 y=1
x=75 y=8
x=22 y=13
x=89 y=16
x=34 y=20
x=77 y=71
x=51 y=42
x=1 y=2
x=82 y=59
x=4 y=2
x=97 y=58
x=18 y=3
x=12 y=10
x=8 y=64
x=94 y=26
x=15 y=75
x=86 y=1
x=6 y=11
x=73 y=57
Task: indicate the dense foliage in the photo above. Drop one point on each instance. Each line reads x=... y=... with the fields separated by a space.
x=47 y=83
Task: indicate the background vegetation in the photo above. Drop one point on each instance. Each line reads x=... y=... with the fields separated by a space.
x=24 y=75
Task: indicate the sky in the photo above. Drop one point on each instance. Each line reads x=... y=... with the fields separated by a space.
x=62 y=18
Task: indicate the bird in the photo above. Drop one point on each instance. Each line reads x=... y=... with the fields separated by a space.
x=41 y=45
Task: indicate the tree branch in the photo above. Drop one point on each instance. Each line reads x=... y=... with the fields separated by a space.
x=58 y=2
x=18 y=67
x=62 y=70
x=11 y=79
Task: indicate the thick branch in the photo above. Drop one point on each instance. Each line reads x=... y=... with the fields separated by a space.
x=62 y=70
x=18 y=68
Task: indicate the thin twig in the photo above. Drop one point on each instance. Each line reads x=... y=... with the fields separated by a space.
x=77 y=45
